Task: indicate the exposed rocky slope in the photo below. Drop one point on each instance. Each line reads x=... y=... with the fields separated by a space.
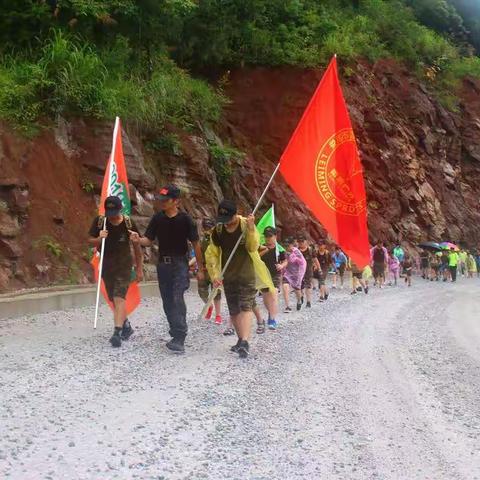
x=422 y=168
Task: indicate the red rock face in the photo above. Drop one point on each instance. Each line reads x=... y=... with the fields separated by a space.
x=421 y=162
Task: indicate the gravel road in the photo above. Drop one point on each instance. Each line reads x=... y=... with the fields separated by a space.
x=378 y=386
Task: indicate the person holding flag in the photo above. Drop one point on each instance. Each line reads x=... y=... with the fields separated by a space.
x=234 y=248
x=114 y=227
x=173 y=229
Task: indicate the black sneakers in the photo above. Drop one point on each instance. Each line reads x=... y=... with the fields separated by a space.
x=234 y=348
x=243 y=349
x=116 y=340
x=127 y=330
x=309 y=305
x=176 y=345
x=299 y=306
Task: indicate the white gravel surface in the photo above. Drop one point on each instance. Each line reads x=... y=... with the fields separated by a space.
x=378 y=386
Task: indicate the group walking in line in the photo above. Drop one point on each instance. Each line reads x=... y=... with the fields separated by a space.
x=232 y=264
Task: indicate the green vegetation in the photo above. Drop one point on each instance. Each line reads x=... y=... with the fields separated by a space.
x=50 y=245
x=224 y=159
x=132 y=58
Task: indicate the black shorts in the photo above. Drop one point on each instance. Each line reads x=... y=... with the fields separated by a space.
x=378 y=269
x=357 y=275
x=341 y=269
x=117 y=283
x=240 y=298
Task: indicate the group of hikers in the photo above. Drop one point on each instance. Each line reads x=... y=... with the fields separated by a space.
x=446 y=264
x=230 y=262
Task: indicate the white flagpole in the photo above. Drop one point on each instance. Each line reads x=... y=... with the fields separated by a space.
x=102 y=248
x=214 y=291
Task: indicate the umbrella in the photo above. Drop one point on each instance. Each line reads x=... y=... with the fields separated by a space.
x=449 y=246
x=433 y=246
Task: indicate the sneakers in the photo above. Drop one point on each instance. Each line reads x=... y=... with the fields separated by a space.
x=127 y=330
x=309 y=305
x=218 y=320
x=287 y=310
x=234 y=348
x=208 y=315
x=116 y=340
x=272 y=324
x=321 y=299
x=243 y=349
x=365 y=290
x=299 y=306
x=326 y=296
x=176 y=345
x=359 y=289
x=353 y=292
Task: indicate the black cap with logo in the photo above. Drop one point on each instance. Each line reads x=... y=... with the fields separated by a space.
x=270 y=231
x=170 y=191
x=226 y=210
x=113 y=206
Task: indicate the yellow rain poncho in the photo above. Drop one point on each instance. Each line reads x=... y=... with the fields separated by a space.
x=213 y=258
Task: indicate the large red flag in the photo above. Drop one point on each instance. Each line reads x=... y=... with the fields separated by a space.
x=322 y=166
x=115 y=182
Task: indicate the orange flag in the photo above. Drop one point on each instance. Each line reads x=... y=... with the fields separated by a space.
x=115 y=182
x=322 y=166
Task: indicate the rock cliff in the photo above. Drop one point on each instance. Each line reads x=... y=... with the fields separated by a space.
x=422 y=168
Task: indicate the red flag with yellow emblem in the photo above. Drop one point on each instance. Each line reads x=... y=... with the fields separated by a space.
x=322 y=165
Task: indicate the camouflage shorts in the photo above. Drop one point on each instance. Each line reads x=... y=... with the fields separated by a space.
x=240 y=298
x=117 y=283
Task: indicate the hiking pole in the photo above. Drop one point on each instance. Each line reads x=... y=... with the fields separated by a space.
x=99 y=283
x=214 y=291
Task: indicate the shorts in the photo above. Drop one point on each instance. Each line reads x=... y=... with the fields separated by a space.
x=117 y=283
x=240 y=298
x=378 y=269
x=307 y=279
x=357 y=275
x=322 y=277
x=204 y=289
x=341 y=269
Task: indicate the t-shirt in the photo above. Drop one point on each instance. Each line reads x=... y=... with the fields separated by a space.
x=241 y=269
x=271 y=259
x=172 y=233
x=453 y=259
x=339 y=259
x=325 y=260
x=399 y=253
x=309 y=255
x=117 y=254
x=378 y=255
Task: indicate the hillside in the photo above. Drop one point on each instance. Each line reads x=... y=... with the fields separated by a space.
x=412 y=94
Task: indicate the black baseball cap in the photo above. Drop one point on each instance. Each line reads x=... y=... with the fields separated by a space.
x=113 y=206
x=226 y=210
x=169 y=191
x=269 y=231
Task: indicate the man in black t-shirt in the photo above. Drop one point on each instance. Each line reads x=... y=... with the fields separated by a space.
x=117 y=261
x=173 y=230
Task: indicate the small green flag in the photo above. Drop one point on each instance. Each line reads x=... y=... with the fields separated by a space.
x=268 y=220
